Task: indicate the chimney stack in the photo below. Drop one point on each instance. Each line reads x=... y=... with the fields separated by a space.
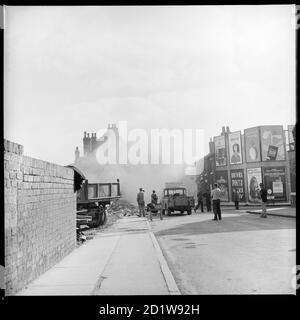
x=223 y=131
x=86 y=143
x=211 y=146
x=77 y=154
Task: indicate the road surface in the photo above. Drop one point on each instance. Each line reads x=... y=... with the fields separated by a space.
x=242 y=254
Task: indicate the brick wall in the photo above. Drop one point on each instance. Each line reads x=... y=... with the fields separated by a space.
x=40 y=216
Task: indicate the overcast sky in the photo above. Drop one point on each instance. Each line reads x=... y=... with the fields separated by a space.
x=75 y=69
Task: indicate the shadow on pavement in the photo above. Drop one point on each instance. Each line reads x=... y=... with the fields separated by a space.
x=231 y=224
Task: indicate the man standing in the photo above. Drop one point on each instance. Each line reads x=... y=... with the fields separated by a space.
x=154 y=198
x=236 y=198
x=141 y=202
x=263 y=196
x=207 y=200
x=200 y=201
x=216 y=197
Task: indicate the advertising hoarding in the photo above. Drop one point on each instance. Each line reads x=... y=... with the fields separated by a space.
x=252 y=145
x=220 y=151
x=237 y=182
x=272 y=143
x=275 y=182
x=235 y=148
x=254 y=179
x=222 y=180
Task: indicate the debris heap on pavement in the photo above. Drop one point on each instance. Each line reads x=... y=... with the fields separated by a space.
x=121 y=207
x=117 y=209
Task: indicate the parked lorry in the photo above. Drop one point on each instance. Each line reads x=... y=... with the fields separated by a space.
x=175 y=198
x=92 y=199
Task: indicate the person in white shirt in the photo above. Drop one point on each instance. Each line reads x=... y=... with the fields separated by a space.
x=216 y=198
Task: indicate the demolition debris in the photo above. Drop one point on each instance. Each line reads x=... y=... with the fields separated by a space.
x=117 y=209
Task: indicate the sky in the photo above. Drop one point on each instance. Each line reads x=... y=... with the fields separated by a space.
x=75 y=69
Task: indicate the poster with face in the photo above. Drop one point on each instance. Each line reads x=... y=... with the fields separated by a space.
x=235 y=148
x=272 y=143
x=275 y=182
x=237 y=183
x=222 y=180
x=252 y=145
x=254 y=179
x=220 y=151
x=291 y=137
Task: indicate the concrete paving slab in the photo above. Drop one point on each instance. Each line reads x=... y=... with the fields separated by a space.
x=58 y=290
x=76 y=274
x=121 y=260
x=133 y=269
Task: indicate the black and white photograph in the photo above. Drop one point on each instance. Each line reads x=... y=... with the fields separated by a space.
x=149 y=151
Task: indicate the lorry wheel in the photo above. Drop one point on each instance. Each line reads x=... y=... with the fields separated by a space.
x=98 y=218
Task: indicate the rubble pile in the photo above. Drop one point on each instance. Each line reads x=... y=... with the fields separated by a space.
x=121 y=208
x=117 y=209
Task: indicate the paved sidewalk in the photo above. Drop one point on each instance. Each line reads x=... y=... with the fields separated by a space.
x=124 y=259
x=281 y=212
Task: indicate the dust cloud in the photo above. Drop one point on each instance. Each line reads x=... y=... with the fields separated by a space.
x=132 y=177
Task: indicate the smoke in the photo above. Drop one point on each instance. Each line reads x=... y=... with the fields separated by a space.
x=132 y=177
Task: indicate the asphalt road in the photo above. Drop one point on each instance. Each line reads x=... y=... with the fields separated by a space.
x=242 y=254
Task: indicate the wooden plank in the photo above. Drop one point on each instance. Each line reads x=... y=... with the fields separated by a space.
x=84 y=218
x=82 y=211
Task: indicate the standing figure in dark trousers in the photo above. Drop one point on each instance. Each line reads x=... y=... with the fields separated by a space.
x=236 y=198
x=154 y=198
x=216 y=198
x=141 y=202
x=200 y=201
x=208 y=200
x=264 y=200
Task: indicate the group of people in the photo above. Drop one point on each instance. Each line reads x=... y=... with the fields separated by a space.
x=141 y=201
x=215 y=196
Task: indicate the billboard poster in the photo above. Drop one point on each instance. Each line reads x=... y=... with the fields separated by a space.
x=272 y=143
x=222 y=180
x=252 y=145
x=235 y=148
x=220 y=151
x=275 y=182
x=237 y=182
x=291 y=137
x=254 y=179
